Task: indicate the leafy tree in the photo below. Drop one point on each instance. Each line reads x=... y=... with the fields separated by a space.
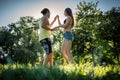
x=21 y=40
x=7 y=41
x=57 y=41
x=87 y=36
x=110 y=31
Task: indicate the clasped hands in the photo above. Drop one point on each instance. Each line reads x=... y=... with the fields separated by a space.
x=57 y=27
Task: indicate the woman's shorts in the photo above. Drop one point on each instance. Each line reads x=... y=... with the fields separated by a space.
x=68 y=36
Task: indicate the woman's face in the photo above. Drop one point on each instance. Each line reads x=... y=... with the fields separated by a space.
x=65 y=13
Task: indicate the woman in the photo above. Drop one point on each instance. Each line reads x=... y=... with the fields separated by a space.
x=44 y=36
x=68 y=37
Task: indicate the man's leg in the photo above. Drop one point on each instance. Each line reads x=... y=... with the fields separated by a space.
x=46 y=60
x=49 y=55
x=50 y=59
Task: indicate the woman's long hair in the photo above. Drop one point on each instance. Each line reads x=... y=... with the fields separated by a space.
x=69 y=12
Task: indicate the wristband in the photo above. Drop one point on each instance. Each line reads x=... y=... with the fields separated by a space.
x=51 y=29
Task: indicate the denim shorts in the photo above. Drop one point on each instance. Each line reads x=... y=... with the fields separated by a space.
x=46 y=44
x=68 y=35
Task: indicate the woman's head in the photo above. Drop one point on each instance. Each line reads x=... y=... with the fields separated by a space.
x=46 y=12
x=68 y=12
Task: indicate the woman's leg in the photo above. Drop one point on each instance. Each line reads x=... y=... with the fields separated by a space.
x=69 y=44
x=64 y=51
x=66 y=48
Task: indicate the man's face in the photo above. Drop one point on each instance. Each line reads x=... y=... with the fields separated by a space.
x=48 y=14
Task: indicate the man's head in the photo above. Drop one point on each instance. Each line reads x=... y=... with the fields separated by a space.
x=46 y=12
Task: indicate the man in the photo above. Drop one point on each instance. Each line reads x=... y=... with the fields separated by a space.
x=44 y=36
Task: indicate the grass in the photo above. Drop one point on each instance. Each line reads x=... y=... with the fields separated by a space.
x=59 y=72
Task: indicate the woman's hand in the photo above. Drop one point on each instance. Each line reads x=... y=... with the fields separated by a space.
x=57 y=16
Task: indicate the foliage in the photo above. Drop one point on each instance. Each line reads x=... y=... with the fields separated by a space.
x=57 y=43
x=96 y=34
x=62 y=72
x=88 y=41
x=110 y=30
x=96 y=40
x=20 y=40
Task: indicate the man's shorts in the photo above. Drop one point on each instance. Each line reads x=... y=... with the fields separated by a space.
x=46 y=44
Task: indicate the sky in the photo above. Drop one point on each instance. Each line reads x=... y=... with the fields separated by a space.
x=12 y=10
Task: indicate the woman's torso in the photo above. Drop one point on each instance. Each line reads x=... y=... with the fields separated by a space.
x=67 y=31
x=70 y=25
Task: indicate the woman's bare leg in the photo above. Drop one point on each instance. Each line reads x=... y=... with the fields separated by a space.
x=64 y=51
x=69 y=50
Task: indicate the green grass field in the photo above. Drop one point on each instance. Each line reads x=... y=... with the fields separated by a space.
x=59 y=72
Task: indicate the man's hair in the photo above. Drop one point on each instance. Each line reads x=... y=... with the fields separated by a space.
x=44 y=11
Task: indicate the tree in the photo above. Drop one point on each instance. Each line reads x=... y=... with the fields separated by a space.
x=110 y=30
x=20 y=40
x=88 y=19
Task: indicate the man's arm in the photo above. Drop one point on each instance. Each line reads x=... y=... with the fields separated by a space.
x=53 y=21
x=59 y=21
x=45 y=23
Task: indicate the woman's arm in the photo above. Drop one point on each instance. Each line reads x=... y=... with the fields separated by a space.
x=66 y=23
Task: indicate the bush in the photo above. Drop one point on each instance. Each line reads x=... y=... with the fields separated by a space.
x=24 y=56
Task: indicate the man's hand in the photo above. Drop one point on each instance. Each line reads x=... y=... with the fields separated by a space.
x=57 y=16
x=55 y=29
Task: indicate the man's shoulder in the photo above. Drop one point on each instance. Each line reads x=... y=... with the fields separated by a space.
x=44 y=18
